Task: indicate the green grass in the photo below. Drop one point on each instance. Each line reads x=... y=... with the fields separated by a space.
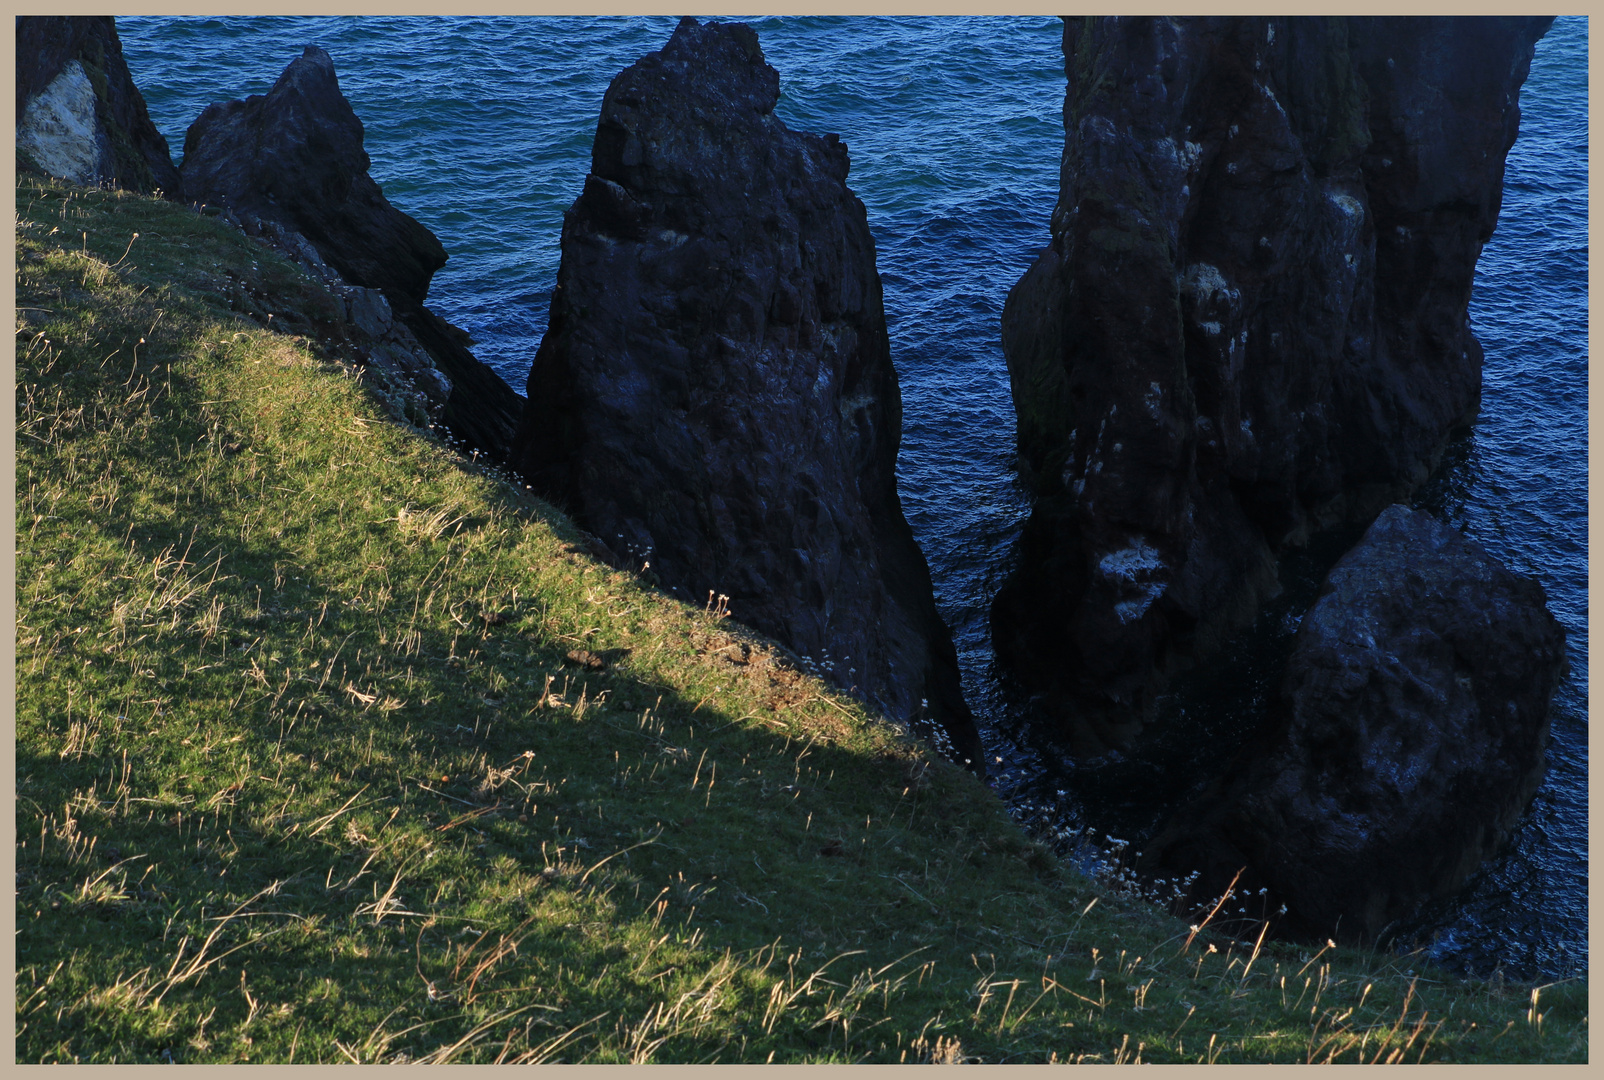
x=305 y=771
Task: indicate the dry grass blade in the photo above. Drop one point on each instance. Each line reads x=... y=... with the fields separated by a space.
x=378 y=1040
x=538 y=1055
x=690 y=1014
x=780 y=1001
x=546 y=1051
x=1381 y=1043
x=386 y=904
x=623 y=851
x=1198 y=929
x=325 y=822
x=477 y=966
x=88 y=887
x=200 y=961
x=421 y=525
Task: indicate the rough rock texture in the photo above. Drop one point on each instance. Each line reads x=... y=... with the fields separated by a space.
x=1251 y=323
x=294 y=157
x=348 y=323
x=715 y=392
x=357 y=322
x=79 y=114
x=1408 y=739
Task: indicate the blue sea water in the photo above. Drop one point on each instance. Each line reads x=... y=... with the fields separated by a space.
x=481 y=129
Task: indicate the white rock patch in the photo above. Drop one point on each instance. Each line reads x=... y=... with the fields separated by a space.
x=59 y=130
x=1134 y=568
x=1127 y=563
x=1349 y=205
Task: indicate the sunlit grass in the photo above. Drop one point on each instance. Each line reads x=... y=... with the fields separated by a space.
x=332 y=747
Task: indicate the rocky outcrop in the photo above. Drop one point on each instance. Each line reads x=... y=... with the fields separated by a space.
x=714 y=395
x=1251 y=323
x=1409 y=739
x=79 y=115
x=355 y=323
x=294 y=158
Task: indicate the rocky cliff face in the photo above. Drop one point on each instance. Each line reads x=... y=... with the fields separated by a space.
x=1251 y=323
x=293 y=157
x=715 y=393
x=1408 y=740
x=79 y=114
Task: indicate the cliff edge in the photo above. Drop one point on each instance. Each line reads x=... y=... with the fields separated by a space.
x=293 y=158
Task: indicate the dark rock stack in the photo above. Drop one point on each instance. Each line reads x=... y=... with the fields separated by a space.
x=715 y=393
x=1408 y=740
x=1251 y=324
x=79 y=114
x=293 y=159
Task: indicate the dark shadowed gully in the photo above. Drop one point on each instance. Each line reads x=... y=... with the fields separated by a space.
x=715 y=395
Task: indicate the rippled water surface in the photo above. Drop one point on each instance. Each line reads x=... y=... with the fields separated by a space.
x=481 y=129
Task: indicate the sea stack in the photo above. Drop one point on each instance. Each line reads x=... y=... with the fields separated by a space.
x=714 y=395
x=294 y=158
x=1407 y=741
x=79 y=115
x=1251 y=324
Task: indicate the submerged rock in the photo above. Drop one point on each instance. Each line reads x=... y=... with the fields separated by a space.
x=714 y=396
x=79 y=115
x=1251 y=324
x=1407 y=741
x=294 y=158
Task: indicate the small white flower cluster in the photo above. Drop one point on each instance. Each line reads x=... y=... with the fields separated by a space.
x=1244 y=902
x=821 y=667
x=641 y=554
x=478 y=460
x=1103 y=858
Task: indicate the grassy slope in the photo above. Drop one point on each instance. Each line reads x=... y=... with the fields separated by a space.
x=302 y=771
